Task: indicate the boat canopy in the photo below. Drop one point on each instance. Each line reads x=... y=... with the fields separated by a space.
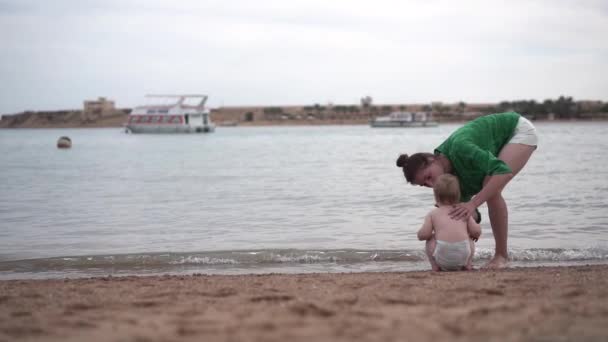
x=195 y=101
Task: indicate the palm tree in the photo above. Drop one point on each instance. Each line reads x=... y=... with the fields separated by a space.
x=461 y=107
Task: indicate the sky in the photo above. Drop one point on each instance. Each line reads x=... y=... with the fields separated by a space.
x=54 y=54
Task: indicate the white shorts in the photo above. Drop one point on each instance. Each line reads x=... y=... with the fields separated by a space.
x=525 y=133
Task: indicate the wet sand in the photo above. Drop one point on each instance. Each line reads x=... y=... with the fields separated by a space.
x=525 y=304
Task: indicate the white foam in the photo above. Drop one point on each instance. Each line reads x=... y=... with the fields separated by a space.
x=204 y=261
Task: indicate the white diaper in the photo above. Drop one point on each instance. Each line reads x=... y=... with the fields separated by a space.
x=525 y=133
x=452 y=256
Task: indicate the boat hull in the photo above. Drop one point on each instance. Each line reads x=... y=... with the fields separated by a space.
x=389 y=124
x=148 y=129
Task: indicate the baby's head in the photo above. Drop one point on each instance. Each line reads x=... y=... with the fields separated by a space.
x=447 y=190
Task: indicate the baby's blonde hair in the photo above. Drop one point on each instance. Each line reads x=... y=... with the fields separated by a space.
x=447 y=189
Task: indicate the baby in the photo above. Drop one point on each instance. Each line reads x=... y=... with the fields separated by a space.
x=449 y=243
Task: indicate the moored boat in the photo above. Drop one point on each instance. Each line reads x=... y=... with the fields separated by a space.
x=178 y=114
x=404 y=119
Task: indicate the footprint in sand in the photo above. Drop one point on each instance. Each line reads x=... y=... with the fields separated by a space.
x=80 y=307
x=223 y=292
x=347 y=300
x=493 y=292
x=146 y=304
x=271 y=298
x=398 y=301
x=311 y=309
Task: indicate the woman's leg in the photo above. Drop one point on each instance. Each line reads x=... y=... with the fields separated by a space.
x=430 y=249
x=516 y=156
x=499 y=219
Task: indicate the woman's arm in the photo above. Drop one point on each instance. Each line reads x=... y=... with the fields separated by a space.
x=482 y=161
x=492 y=188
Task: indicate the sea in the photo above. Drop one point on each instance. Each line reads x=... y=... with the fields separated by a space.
x=274 y=199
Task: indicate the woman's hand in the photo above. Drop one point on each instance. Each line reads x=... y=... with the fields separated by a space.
x=462 y=211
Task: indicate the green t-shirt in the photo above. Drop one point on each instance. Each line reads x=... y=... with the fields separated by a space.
x=473 y=150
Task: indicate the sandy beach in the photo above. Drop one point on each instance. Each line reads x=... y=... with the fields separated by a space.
x=524 y=304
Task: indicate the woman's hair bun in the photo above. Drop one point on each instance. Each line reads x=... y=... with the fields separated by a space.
x=402 y=160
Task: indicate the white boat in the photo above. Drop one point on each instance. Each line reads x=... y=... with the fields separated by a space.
x=171 y=114
x=404 y=119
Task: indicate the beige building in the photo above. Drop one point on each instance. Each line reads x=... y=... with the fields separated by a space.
x=95 y=109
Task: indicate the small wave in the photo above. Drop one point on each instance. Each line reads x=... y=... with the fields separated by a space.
x=275 y=259
x=203 y=261
x=549 y=254
x=560 y=255
x=215 y=258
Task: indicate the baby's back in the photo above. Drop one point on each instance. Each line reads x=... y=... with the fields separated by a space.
x=446 y=228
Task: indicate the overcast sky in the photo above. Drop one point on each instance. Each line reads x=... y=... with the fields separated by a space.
x=56 y=53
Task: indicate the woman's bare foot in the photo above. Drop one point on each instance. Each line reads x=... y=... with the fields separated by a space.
x=497 y=262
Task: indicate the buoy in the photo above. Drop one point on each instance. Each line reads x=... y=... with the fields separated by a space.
x=64 y=142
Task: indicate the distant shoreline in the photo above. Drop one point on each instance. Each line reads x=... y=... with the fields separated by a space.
x=103 y=113
x=265 y=123
x=260 y=116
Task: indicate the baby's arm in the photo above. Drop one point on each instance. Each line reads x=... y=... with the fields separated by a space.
x=426 y=231
x=473 y=228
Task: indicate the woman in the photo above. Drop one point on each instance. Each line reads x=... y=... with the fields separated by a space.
x=485 y=154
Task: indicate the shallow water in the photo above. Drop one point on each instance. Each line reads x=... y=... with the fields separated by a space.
x=272 y=199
